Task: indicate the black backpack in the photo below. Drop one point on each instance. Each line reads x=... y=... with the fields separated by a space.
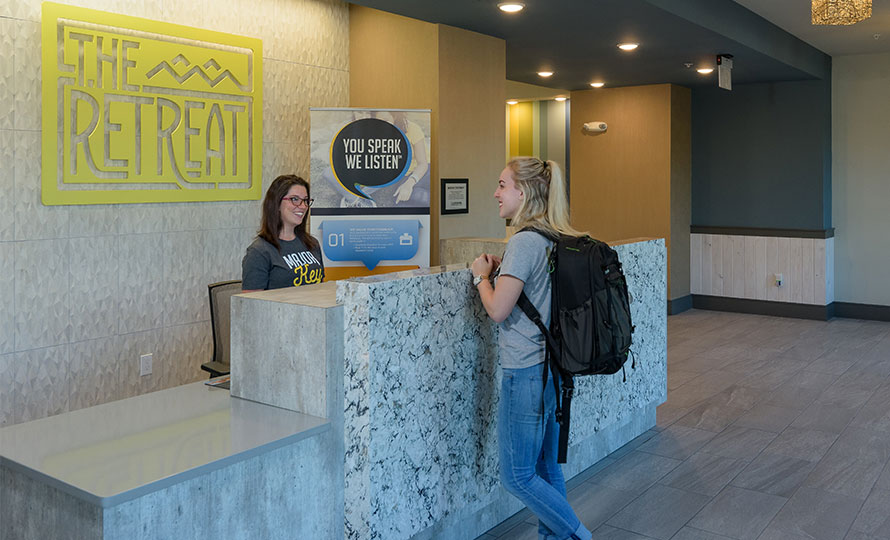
x=590 y=330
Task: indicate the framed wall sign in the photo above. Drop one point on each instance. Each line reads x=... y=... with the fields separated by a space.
x=455 y=196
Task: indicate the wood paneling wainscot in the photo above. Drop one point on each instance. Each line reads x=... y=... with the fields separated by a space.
x=739 y=266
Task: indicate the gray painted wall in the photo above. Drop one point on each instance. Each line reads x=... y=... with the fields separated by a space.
x=761 y=155
x=861 y=178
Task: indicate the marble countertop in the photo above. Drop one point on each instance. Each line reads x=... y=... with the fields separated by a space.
x=122 y=450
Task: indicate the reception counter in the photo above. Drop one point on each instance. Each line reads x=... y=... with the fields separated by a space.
x=404 y=366
x=187 y=462
x=361 y=409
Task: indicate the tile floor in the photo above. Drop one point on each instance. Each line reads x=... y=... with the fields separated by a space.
x=774 y=429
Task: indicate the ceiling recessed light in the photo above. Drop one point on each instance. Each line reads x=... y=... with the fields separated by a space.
x=705 y=71
x=512 y=102
x=628 y=46
x=545 y=73
x=597 y=84
x=561 y=98
x=511 y=7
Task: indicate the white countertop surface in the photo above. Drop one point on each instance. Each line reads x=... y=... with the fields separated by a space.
x=122 y=450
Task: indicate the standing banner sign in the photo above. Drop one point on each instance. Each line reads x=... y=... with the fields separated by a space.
x=370 y=176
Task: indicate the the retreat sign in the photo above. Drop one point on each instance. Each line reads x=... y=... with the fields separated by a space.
x=370 y=173
x=139 y=111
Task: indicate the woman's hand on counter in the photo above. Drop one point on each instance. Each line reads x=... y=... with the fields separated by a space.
x=484 y=265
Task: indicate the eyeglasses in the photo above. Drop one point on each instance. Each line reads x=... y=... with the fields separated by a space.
x=297 y=201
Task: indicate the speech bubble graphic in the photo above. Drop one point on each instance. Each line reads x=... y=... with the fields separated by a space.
x=370 y=241
x=369 y=152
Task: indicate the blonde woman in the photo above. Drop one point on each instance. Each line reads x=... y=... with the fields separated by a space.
x=532 y=194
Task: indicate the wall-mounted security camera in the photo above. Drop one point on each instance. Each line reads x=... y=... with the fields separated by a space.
x=595 y=127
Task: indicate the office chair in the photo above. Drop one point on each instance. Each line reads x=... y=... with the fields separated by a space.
x=220 y=321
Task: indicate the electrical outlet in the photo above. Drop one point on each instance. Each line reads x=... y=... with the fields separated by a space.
x=779 y=280
x=145 y=364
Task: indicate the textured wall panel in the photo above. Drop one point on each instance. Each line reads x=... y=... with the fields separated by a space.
x=309 y=57
x=223 y=251
x=93 y=220
x=94 y=287
x=7 y=389
x=245 y=18
x=284 y=158
x=188 y=216
x=131 y=347
x=302 y=24
x=33 y=220
x=141 y=270
x=94 y=368
x=7 y=185
x=142 y=218
x=186 y=347
x=7 y=297
x=41 y=293
x=27 y=76
x=195 y=12
x=7 y=69
x=271 y=93
x=327 y=88
x=22 y=9
x=41 y=380
x=185 y=295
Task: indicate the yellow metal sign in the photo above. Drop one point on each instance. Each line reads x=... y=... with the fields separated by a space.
x=139 y=111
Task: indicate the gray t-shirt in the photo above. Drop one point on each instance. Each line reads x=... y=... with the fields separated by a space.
x=264 y=267
x=520 y=342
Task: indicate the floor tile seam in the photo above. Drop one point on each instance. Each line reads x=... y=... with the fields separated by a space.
x=627 y=531
x=647 y=486
x=859 y=511
x=779 y=511
x=628 y=503
x=687 y=526
x=745 y=463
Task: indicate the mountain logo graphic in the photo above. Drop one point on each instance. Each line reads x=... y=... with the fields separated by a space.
x=211 y=64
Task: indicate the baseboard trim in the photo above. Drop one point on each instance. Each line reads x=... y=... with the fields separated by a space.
x=679 y=305
x=868 y=312
x=762 y=307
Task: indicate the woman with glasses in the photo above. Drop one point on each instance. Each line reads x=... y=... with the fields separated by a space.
x=531 y=193
x=283 y=254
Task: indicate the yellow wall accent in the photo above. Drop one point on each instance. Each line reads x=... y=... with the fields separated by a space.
x=523 y=129
x=137 y=111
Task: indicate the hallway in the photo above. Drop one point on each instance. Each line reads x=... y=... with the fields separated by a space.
x=774 y=429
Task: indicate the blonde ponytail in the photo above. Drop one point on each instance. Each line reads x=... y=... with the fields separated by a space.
x=544 y=205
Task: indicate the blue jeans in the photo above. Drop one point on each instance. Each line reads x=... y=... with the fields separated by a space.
x=528 y=438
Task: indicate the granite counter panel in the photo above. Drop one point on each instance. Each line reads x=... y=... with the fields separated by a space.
x=421 y=382
x=420 y=370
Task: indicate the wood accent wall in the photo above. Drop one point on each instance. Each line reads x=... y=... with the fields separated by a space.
x=623 y=181
x=397 y=62
x=472 y=71
x=745 y=267
x=394 y=64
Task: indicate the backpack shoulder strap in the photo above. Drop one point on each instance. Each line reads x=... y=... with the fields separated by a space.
x=548 y=235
